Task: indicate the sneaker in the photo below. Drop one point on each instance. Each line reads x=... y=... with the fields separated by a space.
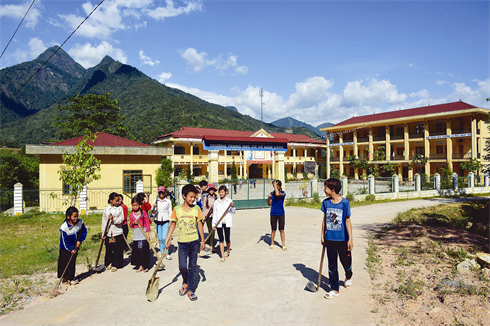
x=168 y=257
x=114 y=269
x=348 y=283
x=74 y=282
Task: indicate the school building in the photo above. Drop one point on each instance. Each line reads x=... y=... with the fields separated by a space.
x=209 y=153
x=449 y=133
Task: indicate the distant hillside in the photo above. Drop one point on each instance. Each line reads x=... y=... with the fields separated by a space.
x=49 y=85
x=289 y=122
x=151 y=109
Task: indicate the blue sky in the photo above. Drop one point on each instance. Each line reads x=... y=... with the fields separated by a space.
x=317 y=61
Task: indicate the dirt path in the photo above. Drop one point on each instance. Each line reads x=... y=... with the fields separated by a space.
x=255 y=285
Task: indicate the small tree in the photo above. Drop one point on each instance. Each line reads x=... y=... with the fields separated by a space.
x=295 y=174
x=234 y=171
x=419 y=161
x=335 y=174
x=188 y=173
x=472 y=166
x=80 y=168
x=164 y=174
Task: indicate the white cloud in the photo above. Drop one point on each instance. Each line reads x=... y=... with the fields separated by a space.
x=36 y=47
x=89 y=56
x=441 y=82
x=18 y=11
x=309 y=92
x=146 y=60
x=164 y=76
x=170 y=10
x=423 y=93
x=356 y=94
x=198 y=62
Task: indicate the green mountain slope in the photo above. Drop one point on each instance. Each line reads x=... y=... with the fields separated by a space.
x=49 y=85
x=151 y=109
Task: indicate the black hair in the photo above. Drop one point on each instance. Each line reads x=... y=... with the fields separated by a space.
x=135 y=200
x=140 y=197
x=279 y=183
x=112 y=196
x=187 y=189
x=333 y=184
x=71 y=210
x=120 y=195
x=223 y=188
x=203 y=183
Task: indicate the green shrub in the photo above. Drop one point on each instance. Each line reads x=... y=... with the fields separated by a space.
x=350 y=197
x=370 y=197
x=316 y=197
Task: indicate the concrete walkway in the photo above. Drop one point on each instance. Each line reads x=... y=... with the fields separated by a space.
x=255 y=285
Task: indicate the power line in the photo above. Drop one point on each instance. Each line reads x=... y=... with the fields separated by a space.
x=95 y=8
x=1 y=55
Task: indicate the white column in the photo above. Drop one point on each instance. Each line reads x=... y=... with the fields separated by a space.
x=18 y=209
x=371 y=184
x=82 y=200
x=455 y=181
x=437 y=181
x=417 y=182
x=471 y=180
x=139 y=186
x=345 y=186
x=396 y=184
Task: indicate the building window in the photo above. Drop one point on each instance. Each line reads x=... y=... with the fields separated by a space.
x=66 y=189
x=197 y=171
x=195 y=150
x=440 y=149
x=179 y=150
x=439 y=127
x=130 y=178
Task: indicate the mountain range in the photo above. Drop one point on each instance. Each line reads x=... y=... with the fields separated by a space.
x=151 y=108
x=289 y=122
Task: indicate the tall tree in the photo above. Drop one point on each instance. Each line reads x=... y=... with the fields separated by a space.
x=91 y=112
x=80 y=168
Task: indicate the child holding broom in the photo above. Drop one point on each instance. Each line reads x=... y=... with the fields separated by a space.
x=72 y=233
x=114 y=241
x=140 y=256
x=224 y=226
x=337 y=235
x=188 y=217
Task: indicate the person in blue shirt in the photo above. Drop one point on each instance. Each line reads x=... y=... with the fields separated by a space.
x=276 y=202
x=72 y=233
x=337 y=235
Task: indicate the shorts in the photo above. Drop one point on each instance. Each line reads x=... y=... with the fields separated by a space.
x=278 y=219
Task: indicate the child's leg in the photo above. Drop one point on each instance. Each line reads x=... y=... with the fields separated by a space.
x=109 y=248
x=228 y=241
x=135 y=254
x=221 y=242
x=118 y=259
x=273 y=229
x=194 y=247
x=345 y=259
x=281 y=219
x=145 y=255
x=333 y=273
x=63 y=258
x=209 y=223
x=183 y=250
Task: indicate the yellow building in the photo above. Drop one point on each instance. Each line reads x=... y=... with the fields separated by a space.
x=447 y=133
x=257 y=155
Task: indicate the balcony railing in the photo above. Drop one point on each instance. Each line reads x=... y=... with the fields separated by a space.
x=398 y=157
x=438 y=156
x=461 y=131
x=334 y=141
x=395 y=137
x=379 y=138
x=437 y=133
x=416 y=135
x=363 y=140
x=334 y=159
x=461 y=155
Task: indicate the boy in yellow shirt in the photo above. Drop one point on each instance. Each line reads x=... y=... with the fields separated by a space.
x=188 y=218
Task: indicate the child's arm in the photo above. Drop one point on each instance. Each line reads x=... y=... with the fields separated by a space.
x=323 y=228
x=118 y=216
x=232 y=209
x=201 y=229
x=82 y=237
x=348 y=225
x=168 y=240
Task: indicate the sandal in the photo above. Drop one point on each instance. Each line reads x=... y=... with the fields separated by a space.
x=348 y=283
x=284 y=248
x=192 y=296
x=183 y=290
x=331 y=294
x=271 y=246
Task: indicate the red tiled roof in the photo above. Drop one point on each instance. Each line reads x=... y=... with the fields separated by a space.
x=431 y=109
x=103 y=139
x=200 y=133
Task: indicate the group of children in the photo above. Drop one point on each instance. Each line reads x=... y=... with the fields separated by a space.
x=201 y=205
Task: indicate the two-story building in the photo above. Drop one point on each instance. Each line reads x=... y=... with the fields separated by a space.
x=449 y=133
x=212 y=152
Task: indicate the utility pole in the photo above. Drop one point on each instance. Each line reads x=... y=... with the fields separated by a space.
x=261 y=93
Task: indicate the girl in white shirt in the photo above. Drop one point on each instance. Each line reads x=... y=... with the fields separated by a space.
x=162 y=210
x=114 y=241
x=219 y=208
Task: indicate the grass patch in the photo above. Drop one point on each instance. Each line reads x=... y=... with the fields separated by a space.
x=373 y=260
x=29 y=243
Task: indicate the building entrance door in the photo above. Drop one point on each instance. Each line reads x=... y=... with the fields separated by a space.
x=255 y=171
